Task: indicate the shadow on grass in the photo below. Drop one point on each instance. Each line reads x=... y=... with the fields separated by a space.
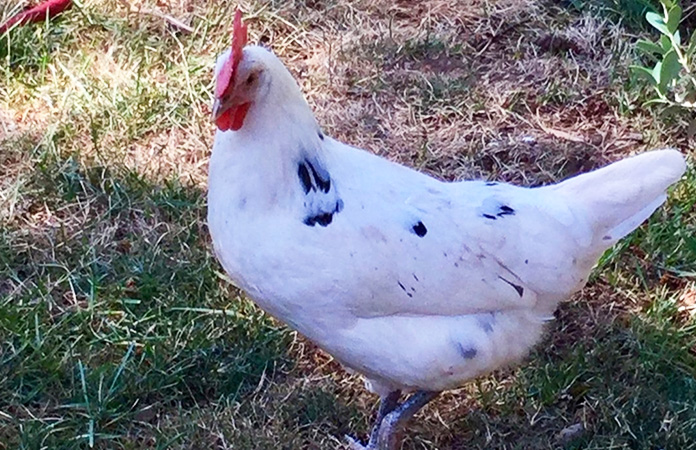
x=115 y=318
x=111 y=305
x=616 y=385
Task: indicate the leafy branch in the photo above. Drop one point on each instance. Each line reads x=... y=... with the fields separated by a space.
x=673 y=75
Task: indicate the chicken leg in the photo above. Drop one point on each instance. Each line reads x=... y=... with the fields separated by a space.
x=386 y=434
x=387 y=404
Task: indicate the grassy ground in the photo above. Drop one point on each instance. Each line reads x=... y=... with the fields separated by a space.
x=117 y=327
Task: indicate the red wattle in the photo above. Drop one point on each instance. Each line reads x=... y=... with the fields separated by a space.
x=224 y=121
x=240 y=113
x=233 y=118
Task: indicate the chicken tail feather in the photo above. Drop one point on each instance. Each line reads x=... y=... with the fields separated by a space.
x=617 y=198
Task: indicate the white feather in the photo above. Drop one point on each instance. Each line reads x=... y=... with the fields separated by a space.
x=409 y=311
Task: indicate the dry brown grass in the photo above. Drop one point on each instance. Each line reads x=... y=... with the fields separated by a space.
x=516 y=90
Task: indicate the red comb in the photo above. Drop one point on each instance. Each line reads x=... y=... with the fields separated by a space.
x=239 y=40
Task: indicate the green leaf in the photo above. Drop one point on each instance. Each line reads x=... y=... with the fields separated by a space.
x=649 y=47
x=655 y=101
x=692 y=45
x=644 y=73
x=657 y=70
x=657 y=22
x=677 y=38
x=666 y=43
x=667 y=3
x=669 y=69
x=673 y=18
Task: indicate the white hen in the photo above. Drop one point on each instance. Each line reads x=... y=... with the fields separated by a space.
x=418 y=284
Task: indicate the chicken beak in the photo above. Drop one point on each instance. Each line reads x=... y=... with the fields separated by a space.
x=218 y=109
x=224 y=104
x=228 y=113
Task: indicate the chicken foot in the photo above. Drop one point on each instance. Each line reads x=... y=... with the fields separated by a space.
x=391 y=418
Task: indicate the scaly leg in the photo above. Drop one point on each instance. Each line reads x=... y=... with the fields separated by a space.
x=387 y=404
x=391 y=420
x=393 y=424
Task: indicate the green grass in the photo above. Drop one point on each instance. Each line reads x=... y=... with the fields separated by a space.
x=118 y=329
x=119 y=312
x=630 y=12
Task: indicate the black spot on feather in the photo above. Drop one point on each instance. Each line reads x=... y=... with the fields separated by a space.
x=486 y=322
x=324 y=184
x=403 y=288
x=313 y=179
x=420 y=229
x=488 y=216
x=519 y=289
x=486 y=326
x=506 y=211
x=321 y=202
x=321 y=135
x=467 y=352
x=306 y=181
x=491 y=183
x=323 y=219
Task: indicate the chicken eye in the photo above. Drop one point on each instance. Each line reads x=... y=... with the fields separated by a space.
x=251 y=78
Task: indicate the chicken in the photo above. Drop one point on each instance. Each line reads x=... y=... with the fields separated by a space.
x=418 y=284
